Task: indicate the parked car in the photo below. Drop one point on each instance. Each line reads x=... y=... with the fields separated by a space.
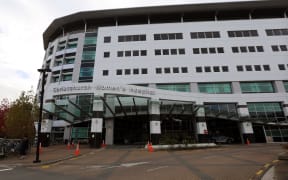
x=222 y=139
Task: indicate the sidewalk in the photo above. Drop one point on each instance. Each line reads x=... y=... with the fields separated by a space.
x=48 y=155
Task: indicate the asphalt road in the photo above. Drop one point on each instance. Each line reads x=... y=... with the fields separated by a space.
x=227 y=162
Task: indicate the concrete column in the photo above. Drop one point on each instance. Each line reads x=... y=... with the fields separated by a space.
x=201 y=126
x=236 y=88
x=194 y=87
x=95 y=138
x=246 y=128
x=279 y=87
x=155 y=123
x=285 y=109
x=109 y=121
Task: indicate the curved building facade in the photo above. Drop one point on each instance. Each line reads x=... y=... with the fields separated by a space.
x=169 y=73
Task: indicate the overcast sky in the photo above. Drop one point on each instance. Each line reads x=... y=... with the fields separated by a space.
x=22 y=23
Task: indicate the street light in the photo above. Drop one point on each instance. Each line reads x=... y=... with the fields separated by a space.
x=43 y=71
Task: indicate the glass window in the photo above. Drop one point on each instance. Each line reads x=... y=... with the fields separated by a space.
x=257 y=67
x=251 y=49
x=257 y=87
x=196 y=51
x=283 y=47
x=184 y=69
x=86 y=71
x=143 y=53
x=275 y=48
x=165 y=51
x=174 y=87
x=198 y=69
x=266 y=109
x=181 y=51
x=106 y=54
x=173 y=51
x=119 y=72
x=220 y=50
x=120 y=53
x=127 y=53
x=107 y=39
x=248 y=68
x=88 y=55
x=212 y=50
x=157 y=37
x=144 y=71
x=166 y=70
x=135 y=71
x=260 y=48
x=127 y=71
x=281 y=67
x=179 y=36
x=66 y=77
x=286 y=85
x=207 y=69
x=204 y=51
x=175 y=70
x=243 y=49
x=135 y=53
x=216 y=68
x=90 y=40
x=225 y=69
x=215 y=88
x=158 y=70
x=105 y=73
x=157 y=52
x=266 y=67
x=239 y=68
x=235 y=49
x=193 y=35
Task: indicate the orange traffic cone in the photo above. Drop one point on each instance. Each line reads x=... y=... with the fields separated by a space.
x=68 y=146
x=103 y=144
x=77 y=150
x=247 y=141
x=150 y=147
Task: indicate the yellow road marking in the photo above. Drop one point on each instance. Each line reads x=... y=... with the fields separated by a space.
x=259 y=172
x=275 y=161
x=74 y=158
x=45 y=166
x=267 y=165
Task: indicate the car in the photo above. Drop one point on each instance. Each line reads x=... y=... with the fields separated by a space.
x=222 y=139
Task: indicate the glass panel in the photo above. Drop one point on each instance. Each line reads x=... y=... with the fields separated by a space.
x=257 y=87
x=86 y=72
x=88 y=55
x=272 y=109
x=215 y=88
x=174 y=87
x=286 y=85
x=90 y=40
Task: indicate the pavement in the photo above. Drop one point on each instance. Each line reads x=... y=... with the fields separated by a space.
x=57 y=153
x=48 y=155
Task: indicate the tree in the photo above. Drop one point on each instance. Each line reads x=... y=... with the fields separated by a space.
x=20 y=118
x=4 y=107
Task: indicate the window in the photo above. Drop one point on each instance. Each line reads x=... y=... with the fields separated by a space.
x=276 y=32
x=166 y=70
x=235 y=49
x=283 y=47
x=257 y=87
x=173 y=51
x=165 y=51
x=107 y=39
x=86 y=71
x=204 y=51
x=251 y=49
x=88 y=55
x=225 y=68
x=129 y=38
x=144 y=71
x=119 y=72
x=216 y=68
x=215 y=88
x=281 y=67
x=248 y=68
x=196 y=51
x=243 y=49
x=260 y=48
x=265 y=109
x=243 y=33
x=286 y=85
x=181 y=51
x=143 y=53
x=127 y=53
x=169 y=36
x=105 y=72
x=257 y=67
x=66 y=77
x=106 y=54
x=120 y=53
x=198 y=69
x=239 y=68
x=135 y=71
x=212 y=50
x=157 y=52
x=158 y=70
x=135 y=53
x=90 y=39
x=127 y=71
x=175 y=70
x=174 y=87
x=184 y=69
x=266 y=67
x=275 y=48
x=207 y=69
x=202 y=35
x=220 y=50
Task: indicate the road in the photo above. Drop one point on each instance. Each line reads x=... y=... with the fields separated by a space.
x=226 y=162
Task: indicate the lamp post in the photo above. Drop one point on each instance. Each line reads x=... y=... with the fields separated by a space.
x=43 y=71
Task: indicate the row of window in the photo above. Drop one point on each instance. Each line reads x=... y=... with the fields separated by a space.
x=205 y=35
x=210 y=50
x=168 y=36
x=135 y=71
x=277 y=48
x=131 y=53
x=245 y=49
x=200 y=69
x=129 y=38
x=243 y=33
x=179 y=51
x=277 y=32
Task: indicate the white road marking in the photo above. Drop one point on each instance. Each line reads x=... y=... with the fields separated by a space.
x=154 y=169
x=8 y=169
x=133 y=164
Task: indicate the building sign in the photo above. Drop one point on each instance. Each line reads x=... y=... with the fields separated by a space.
x=155 y=127
x=116 y=89
x=202 y=128
x=246 y=128
x=46 y=126
x=96 y=125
